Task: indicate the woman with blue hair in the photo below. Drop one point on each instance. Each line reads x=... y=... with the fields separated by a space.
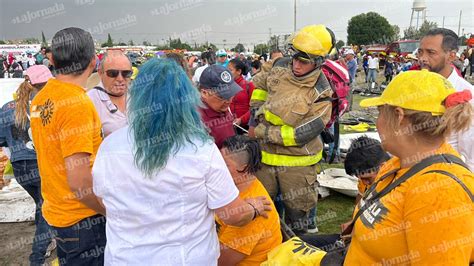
x=162 y=179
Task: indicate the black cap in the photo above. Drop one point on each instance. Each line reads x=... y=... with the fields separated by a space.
x=219 y=79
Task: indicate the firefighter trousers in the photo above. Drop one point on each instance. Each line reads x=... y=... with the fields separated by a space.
x=298 y=188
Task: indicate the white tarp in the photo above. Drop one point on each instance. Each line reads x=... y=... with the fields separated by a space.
x=337 y=180
x=19 y=48
x=16 y=205
x=7 y=88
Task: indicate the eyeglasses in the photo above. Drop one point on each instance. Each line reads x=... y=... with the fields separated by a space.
x=215 y=95
x=113 y=73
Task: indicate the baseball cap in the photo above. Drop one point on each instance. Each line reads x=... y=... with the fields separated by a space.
x=418 y=90
x=38 y=74
x=219 y=79
x=221 y=52
x=350 y=51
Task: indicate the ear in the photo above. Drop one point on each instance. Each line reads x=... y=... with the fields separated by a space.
x=451 y=56
x=400 y=114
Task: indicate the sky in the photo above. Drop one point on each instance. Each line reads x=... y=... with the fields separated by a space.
x=222 y=22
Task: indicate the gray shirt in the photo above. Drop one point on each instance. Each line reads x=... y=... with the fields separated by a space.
x=110 y=116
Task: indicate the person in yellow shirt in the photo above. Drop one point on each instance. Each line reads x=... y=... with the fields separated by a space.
x=247 y=245
x=66 y=132
x=420 y=210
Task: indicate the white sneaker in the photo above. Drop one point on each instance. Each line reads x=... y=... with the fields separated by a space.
x=313 y=230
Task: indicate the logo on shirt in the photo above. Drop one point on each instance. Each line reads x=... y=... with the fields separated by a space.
x=46 y=112
x=373 y=214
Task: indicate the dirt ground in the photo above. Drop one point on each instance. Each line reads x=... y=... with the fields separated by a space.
x=15 y=243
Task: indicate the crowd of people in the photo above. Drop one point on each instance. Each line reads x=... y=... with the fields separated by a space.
x=13 y=65
x=177 y=163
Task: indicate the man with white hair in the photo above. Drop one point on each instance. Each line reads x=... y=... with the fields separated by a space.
x=109 y=96
x=351 y=63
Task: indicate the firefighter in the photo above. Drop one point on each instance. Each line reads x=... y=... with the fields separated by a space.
x=294 y=106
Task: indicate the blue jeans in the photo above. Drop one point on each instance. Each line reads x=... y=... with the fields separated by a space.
x=27 y=175
x=372 y=76
x=82 y=243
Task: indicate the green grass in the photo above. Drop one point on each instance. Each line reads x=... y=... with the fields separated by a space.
x=333 y=211
x=336 y=208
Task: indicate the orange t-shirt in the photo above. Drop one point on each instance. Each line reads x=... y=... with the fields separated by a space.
x=258 y=237
x=63 y=122
x=427 y=220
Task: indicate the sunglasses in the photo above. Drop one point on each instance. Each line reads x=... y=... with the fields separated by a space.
x=113 y=73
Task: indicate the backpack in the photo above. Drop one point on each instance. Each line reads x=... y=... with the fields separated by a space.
x=338 y=78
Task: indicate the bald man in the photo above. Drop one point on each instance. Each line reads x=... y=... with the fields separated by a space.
x=109 y=96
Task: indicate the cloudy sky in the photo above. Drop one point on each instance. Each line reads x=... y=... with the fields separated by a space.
x=217 y=21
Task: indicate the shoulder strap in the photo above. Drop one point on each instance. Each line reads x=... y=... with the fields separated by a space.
x=438 y=158
x=455 y=179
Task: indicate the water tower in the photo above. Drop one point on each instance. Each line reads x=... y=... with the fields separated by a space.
x=419 y=6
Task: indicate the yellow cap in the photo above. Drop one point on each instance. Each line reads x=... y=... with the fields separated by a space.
x=415 y=90
x=314 y=40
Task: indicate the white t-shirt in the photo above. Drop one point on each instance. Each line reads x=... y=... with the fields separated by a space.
x=463 y=142
x=167 y=219
x=198 y=72
x=373 y=63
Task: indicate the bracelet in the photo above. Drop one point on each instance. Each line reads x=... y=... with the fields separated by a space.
x=255 y=213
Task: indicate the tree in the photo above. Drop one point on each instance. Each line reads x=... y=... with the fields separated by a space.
x=425 y=27
x=274 y=42
x=239 y=48
x=396 y=32
x=44 y=43
x=261 y=48
x=368 y=28
x=147 y=43
x=131 y=43
x=2 y=42
x=109 y=42
x=177 y=44
x=339 y=44
x=31 y=41
x=412 y=33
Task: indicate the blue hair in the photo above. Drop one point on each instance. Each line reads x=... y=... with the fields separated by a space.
x=162 y=114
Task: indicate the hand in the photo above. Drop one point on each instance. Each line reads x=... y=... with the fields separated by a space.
x=262 y=204
x=238 y=121
x=345 y=225
x=260 y=131
x=252 y=132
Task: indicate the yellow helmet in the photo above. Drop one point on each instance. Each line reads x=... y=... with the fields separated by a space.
x=314 y=40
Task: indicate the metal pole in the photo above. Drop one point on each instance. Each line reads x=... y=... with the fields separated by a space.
x=294 y=18
x=443 y=22
x=459 y=25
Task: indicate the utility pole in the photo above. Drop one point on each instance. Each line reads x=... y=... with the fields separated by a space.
x=443 y=22
x=459 y=25
x=270 y=36
x=294 y=17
